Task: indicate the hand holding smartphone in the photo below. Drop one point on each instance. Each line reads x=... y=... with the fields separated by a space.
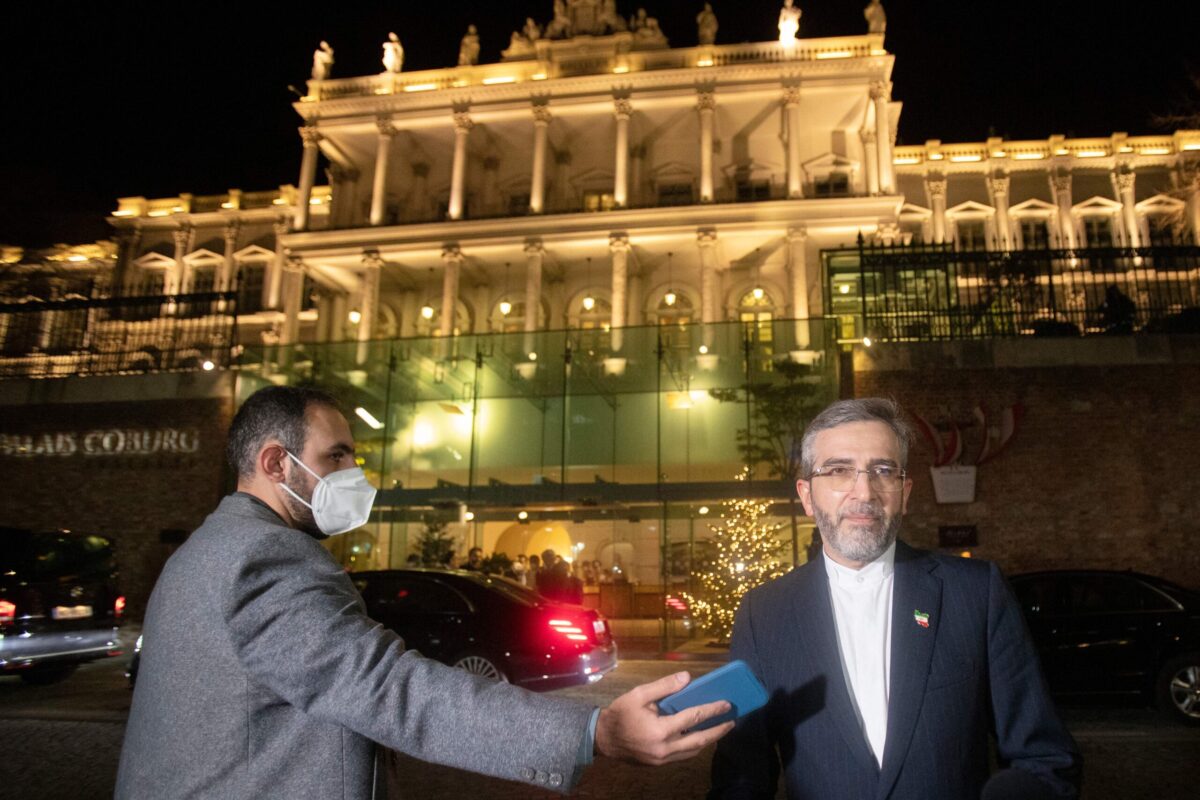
x=733 y=682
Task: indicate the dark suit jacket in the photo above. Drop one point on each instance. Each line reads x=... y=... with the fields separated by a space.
x=972 y=670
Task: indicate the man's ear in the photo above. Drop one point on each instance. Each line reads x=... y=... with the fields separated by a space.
x=272 y=461
x=805 y=491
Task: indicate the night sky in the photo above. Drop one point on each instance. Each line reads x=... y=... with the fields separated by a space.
x=102 y=100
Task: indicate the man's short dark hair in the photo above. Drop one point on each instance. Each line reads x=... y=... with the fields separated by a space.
x=273 y=412
x=843 y=412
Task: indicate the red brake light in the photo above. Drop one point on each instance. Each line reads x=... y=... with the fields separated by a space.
x=8 y=611
x=119 y=606
x=572 y=629
x=677 y=603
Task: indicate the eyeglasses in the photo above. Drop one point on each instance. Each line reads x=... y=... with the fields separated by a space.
x=881 y=477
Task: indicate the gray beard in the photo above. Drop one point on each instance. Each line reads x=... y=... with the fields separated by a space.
x=862 y=543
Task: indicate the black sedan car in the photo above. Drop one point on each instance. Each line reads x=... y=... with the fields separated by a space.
x=491 y=626
x=59 y=603
x=1116 y=633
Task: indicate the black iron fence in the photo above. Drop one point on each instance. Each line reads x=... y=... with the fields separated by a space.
x=924 y=293
x=97 y=336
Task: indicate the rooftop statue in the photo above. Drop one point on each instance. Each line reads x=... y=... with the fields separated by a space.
x=706 y=25
x=532 y=31
x=789 y=23
x=468 y=50
x=560 y=26
x=322 y=64
x=393 y=54
x=645 y=28
x=876 y=17
x=610 y=18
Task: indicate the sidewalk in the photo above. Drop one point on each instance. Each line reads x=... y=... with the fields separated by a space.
x=651 y=648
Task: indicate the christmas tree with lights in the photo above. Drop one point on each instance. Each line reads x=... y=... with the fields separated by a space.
x=746 y=553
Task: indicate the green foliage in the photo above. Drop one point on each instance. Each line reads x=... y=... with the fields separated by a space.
x=434 y=544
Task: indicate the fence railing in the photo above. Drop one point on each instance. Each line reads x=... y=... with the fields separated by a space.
x=922 y=293
x=97 y=336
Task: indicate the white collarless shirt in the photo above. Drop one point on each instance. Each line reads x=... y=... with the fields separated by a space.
x=862 y=613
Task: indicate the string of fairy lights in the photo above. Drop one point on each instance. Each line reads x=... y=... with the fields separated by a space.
x=747 y=554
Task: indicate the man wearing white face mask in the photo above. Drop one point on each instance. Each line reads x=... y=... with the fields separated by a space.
x=262 y=676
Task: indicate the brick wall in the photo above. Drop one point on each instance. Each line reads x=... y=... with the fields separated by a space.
x=132 y=486
x=1102 y=471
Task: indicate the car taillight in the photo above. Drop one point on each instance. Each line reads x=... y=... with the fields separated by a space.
x=8 y=612
x=572 y=629
x=676 y=603
x=119 y=606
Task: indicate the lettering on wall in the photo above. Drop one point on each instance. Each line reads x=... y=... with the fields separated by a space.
x=101 y=442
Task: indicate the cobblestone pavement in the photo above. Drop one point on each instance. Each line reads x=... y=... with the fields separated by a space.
x=62 y=743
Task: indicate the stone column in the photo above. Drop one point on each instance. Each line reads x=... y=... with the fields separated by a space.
x=535 y=253
x=273 y=279
x=797 y=242
x=177 y=278
x=998 y=188
x=1060 y=188
x=383 y=149
x=224 y=282
x=368 y=303
x=452 y=259
x=871 y=160
x=791 y=105
x=308 y=173
x=128 y=242
x=537 y=185
x=706 y=105
x=1124 y=182
x=458 y=170
x=706 y=241
x=293 y=298
x=618 y=245
x=935 y=184
x=622 y=110
x=880 y=93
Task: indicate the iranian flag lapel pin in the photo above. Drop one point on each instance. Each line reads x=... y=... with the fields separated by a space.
x=921 y=617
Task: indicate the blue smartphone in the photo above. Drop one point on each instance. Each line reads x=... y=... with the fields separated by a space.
x=733 y=682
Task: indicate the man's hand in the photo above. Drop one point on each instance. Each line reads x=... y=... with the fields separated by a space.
x=632 y=729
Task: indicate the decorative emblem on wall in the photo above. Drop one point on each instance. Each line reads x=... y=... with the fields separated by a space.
x=955 y=460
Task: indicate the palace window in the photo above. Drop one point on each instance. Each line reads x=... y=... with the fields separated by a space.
x=674 y=321
x=1035 y=234
x=835 y=184
x=250 y=287
x=675 y=194
x=598 y=201
x=971 y=234
x=518 y=204
x=750 y=190
x=1097 y=232
x=1162 y=232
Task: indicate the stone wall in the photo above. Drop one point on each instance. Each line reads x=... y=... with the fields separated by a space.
x=144 y=472
x=1101 y=472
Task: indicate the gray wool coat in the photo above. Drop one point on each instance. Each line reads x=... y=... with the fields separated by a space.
x=262 y=676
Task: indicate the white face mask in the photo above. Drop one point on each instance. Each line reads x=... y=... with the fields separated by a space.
x=341 y=501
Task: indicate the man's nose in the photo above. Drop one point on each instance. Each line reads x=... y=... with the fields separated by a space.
x=862 y=485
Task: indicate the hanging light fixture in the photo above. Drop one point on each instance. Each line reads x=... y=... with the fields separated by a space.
x=427 y=311
x=589 y=302
x=670 y=297
x=505 y=306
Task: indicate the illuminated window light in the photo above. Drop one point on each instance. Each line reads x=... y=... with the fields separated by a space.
x=459 y=82
x=906 y=160
x=124 y=212
x=621 y=69
x=539 y=76
x=355 y=316
x=1155 y=151
x=384 y=90
x=835 y=54
x=1029 y=156
x=1062 y=151
x=1125 y=149
x=505 y=307
x=427 y=311
x=499 y=79
x=998 y=154
x=279 y=201
x=704 y=62
x=227 y=204
x=961 y=159
x=420 y=87
x=369 y=418
x=1192 y=146
x=1091 y=153
x=159 y=213
x=316 y=201
x=878 y=52
x=177 y=208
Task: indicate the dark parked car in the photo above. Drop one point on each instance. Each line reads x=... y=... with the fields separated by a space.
x=491 y=626
x=59 y=604
x=1116 y=633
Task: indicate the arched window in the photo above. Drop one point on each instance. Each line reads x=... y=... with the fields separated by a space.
x=592 y=315
x=429 y=319
x=674 y=319
x=511 y=322
x=756 y=313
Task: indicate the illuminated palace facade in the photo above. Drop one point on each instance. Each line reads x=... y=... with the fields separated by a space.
x=545 y=282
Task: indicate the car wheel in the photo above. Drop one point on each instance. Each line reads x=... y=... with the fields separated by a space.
x=48 y=674
x=1178 y=689
x=481 y=665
